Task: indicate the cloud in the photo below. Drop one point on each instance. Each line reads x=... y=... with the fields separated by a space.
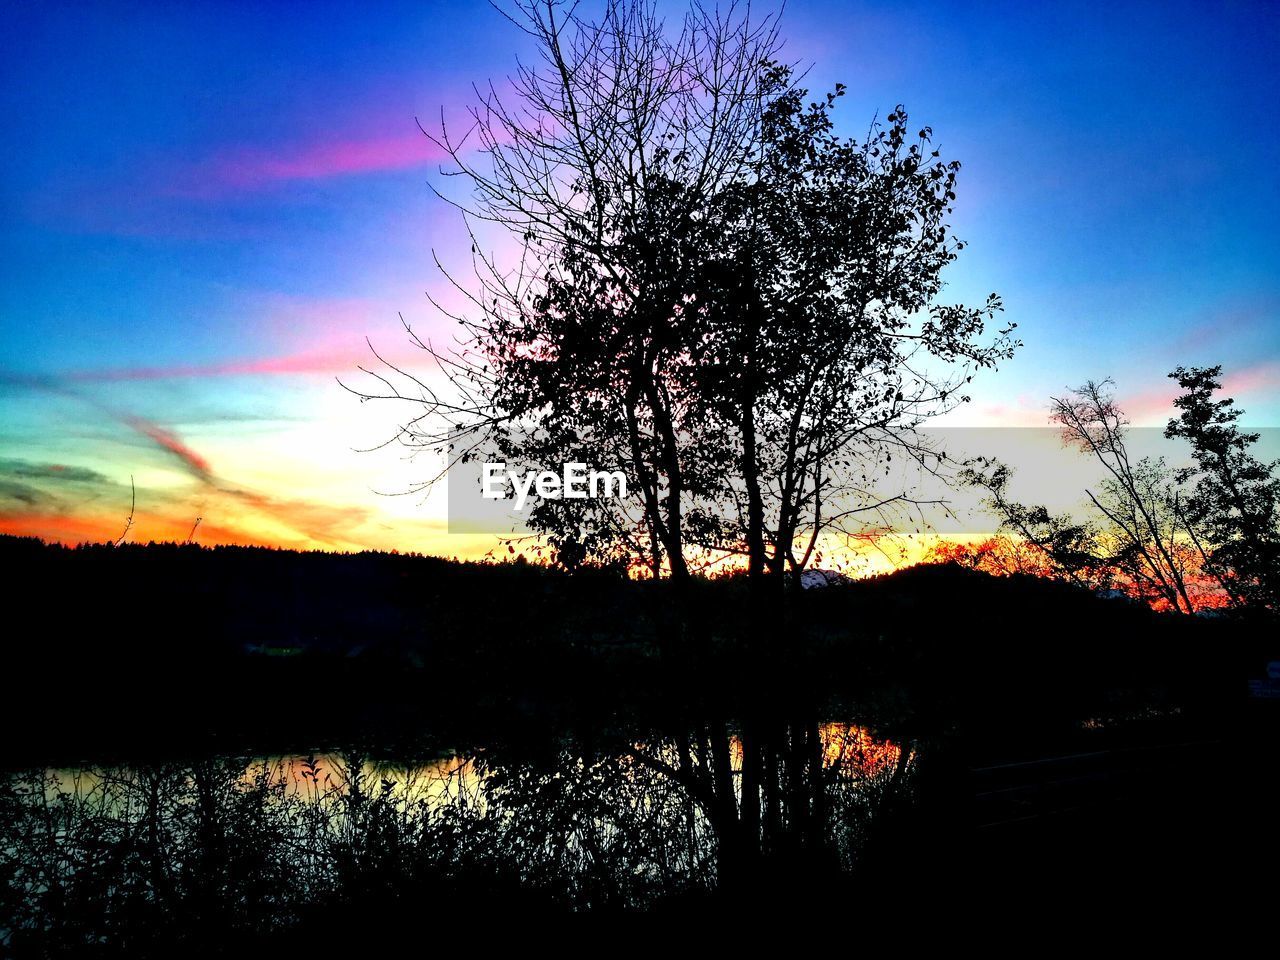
x=255 y=168
x=335 y=525
x=22 y=493
x=49 y=489
x=46 y=487
x=57 y=472
x=47 y=506
x=98 y=528
x=218 y=194
x=1155 y=404
x=170 y=443
x=1151 y=406
x=1255 y=378
x=1228 y=326
x=298 y=522
x=59 y=528
x=324 y=362
x=346 y=357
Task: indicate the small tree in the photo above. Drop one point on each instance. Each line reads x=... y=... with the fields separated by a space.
x=1145 y=527
x=1178 y=546
x=1138 y=538
x=1234 y=503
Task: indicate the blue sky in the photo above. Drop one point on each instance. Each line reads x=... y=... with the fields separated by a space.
x=205 y=208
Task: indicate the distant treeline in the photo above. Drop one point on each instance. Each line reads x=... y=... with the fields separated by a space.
x=182 y=639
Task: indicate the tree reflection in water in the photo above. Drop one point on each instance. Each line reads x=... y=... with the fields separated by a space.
x=101 y=854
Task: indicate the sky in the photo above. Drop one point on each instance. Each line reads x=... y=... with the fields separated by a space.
x=206 y=209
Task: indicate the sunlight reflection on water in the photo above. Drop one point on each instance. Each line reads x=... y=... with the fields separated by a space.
x=452 y=778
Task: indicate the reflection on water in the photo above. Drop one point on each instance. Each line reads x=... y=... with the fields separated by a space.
x=448 y=780
x=456 y=779
x=260 y=842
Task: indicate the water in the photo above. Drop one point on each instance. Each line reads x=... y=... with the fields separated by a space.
x=259 y=842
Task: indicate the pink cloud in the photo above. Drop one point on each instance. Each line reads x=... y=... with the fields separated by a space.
x=315 y=325
x=1151 y=407
x=1243 y=319
x=342 y=360
x=283 y=334
x=170 y=442
x=294 y=335
x=1154 y=406
x=1253 y=378
x=256 y=168
x=298 y=363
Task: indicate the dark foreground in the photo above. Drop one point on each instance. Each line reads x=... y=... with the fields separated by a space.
x=454 y=740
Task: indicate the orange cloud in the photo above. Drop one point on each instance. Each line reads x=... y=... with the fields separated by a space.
x=326 y=523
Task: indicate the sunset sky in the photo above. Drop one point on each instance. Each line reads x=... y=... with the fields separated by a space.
x=206 y=208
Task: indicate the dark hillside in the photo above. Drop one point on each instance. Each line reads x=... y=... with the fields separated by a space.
x=188 y=640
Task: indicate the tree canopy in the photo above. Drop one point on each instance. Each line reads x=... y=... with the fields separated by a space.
x=715 y=291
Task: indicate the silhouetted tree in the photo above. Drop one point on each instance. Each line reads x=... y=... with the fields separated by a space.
x=999 y=555
x=1181 y=547
x=1138 y=538
x=1145 y=531
x=718 y=293
x=600 y=168
x=715 y=291
x=1234 y=506
x=825 y=348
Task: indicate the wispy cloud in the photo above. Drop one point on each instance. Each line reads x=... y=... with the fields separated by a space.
x=81 y=527
x=1252 y=379
x=1154 y=405
x=22 y=493
x=330 y=524
x=30 y=492
x=1228 y=326
x=252 y=168
x=336 y=361
x=169 y=442
x=57 y=472
x=295 y=335
x=219 y=194
x=52 y=491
